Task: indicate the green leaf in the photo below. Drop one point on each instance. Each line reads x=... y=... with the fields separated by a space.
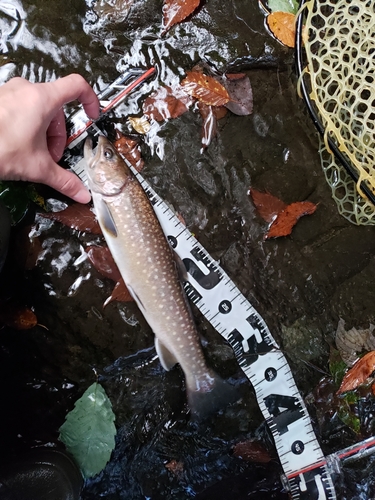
x=89 y=431
x=283 y=6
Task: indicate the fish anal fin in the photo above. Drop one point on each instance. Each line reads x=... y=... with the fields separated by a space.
x=105 y=217
x=167 y=359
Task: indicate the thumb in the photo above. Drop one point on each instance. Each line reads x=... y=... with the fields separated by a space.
x=66 y=183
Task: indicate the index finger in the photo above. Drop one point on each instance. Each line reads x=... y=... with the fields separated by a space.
x=72 y=87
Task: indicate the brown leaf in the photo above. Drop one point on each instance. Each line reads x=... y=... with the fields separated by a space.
x=241 y=93
x=101 y=258
x=119 y=293
x=175 y=11
x=76 y=216
x=287 y=218
x=205 y=88
x=175 y=467
x=209 y=127
x=219 y=112
x=17 y=317
x=358 y=374
x=166 y=103
x=130 y=149
x=252 y=451
x=267 y=205
x=283 y=26
x=352 y=342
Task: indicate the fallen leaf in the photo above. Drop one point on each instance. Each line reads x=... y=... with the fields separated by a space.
x=175 y=11
x=252 y=451
x=166 y=103
x=240 y=92
x=219 y=112
x=17 y=316
x=76 y=216
x=283 y=5
x=352 y=342
x=266 y=204
x=205 y=88
x=119 y=293
x=175 y=467
x=359 y=373
x=140 y=125
x=287 y=218
x=282 y=25
x=129 y=148
x=101 y=258
x=209 y=127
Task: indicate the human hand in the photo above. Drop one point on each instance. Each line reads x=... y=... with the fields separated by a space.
x=33 y=134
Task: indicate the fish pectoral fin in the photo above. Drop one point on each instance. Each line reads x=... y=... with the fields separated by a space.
x=181 y=269
x=105 y=217
x=167 y=359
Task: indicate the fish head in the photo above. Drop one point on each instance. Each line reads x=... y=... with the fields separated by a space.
x=106 y=171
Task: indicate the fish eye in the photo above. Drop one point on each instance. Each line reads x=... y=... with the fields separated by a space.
x=108 y=154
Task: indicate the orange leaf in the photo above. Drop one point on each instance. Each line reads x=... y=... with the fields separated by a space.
x=17 y=317
x=267 y=205
x=287 y=218
x=76 y=216
x=129 y=148
x=283 y=26
x=205 y=88
x=119 y=293
x=175 y=11
x=166 y=103
x=358 y=374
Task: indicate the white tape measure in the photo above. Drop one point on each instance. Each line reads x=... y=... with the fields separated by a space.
x=231 y=314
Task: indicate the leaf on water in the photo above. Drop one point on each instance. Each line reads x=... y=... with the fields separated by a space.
x=266 y=204
x=219 y=112
x=89 y=431
x=177 y=468
x=119 y=293
x=209 y=127
x=359 y=373
x=205 y=88
x=287 y=218
x=129 y=148
x=166 y=103
x=283 y=26
x=140 y=124
x=283 y=5
x=76 y=216
x=240 y=92
x=17 y=316
x=175 y=11
x=252 y=451
x=101 y=258
x=352 y=342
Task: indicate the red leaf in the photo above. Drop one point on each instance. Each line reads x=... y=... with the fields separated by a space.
x=252 y=451
x=76 y=216
x=267 y=205
x=119 y=293
x=209 y=127
x=205 y=88
x=166 y=103
x=358 y=374
x=101 y=258
x=129 y=147
x=240 y=92
x=287 y=218
x=175 y=11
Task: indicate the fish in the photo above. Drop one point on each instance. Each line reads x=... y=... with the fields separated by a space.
x=153 y=276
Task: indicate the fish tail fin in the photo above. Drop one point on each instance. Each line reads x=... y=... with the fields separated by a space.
x=206 y=397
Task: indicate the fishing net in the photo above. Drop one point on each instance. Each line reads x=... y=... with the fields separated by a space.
x=337 y=80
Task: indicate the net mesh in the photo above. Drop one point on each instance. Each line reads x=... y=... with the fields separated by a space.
x=340 y=50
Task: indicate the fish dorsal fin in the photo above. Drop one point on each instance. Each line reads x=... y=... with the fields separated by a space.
x=167 y=359
x=105 y=217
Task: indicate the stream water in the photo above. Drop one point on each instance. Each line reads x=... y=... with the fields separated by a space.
x=301 y=284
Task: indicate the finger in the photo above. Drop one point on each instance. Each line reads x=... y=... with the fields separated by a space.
x=72 y=87
x=65 y=182
x=56 y=135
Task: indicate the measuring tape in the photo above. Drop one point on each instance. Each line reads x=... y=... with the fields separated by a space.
x=307 y=473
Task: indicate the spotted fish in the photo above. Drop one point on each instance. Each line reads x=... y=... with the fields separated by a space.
x=148 y=267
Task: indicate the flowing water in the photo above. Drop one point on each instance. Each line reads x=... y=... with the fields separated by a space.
x=301 y=284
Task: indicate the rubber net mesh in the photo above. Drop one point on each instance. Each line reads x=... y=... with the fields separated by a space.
x=339 y=42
